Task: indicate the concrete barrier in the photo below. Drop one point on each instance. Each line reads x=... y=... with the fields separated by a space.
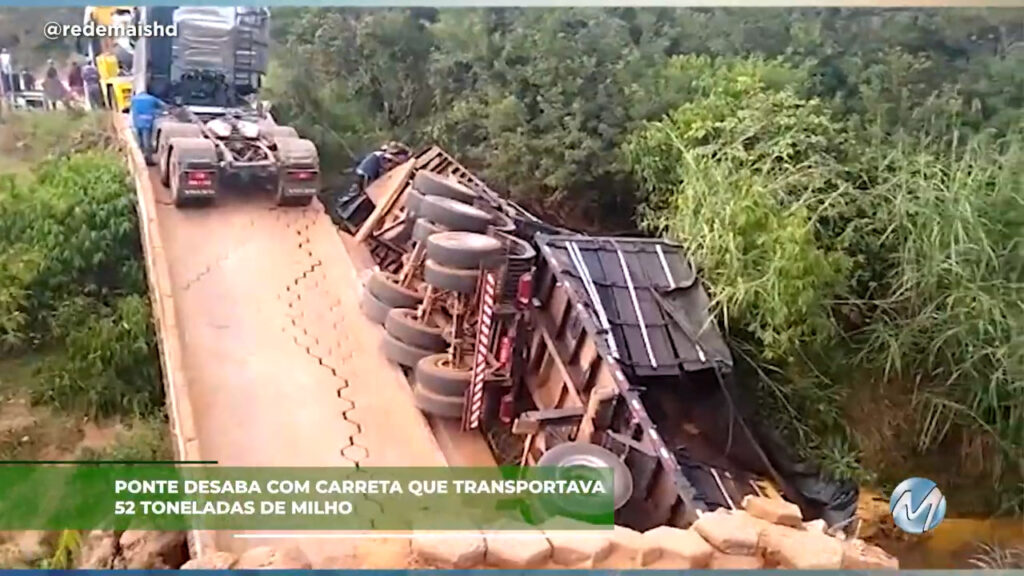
x=179 y=407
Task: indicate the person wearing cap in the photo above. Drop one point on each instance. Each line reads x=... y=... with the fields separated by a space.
x=379 y=161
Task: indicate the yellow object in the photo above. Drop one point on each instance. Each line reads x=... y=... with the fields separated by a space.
x=117 y=92
x=116 y=83
x=106 y=65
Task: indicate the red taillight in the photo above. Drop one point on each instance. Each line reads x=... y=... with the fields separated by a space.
x=524 y=291
x=505 y=351
x=302 y=175
x=507 y=408
x=199 y=178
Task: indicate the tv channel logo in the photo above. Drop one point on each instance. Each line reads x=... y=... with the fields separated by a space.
x=917 y=505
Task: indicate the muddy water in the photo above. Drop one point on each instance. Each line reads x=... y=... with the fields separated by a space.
x=954 y=542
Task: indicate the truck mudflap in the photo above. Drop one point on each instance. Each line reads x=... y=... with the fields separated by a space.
x=193 y=168
x=298 y=170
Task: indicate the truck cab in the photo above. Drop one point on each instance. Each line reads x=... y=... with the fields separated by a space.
x=214 y=134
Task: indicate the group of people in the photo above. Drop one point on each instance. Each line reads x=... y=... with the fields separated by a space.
x=82 y=83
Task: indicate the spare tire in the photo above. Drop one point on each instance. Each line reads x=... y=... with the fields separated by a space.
x=465 y=250
x=454 y=215
x=431 y=184
x=584 y=454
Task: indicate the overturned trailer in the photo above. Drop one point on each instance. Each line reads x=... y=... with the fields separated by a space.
x=606 y=353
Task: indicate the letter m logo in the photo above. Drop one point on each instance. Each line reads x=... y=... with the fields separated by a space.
x=920 y=519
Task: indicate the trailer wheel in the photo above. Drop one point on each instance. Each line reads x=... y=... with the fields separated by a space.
x=454 y=215
x=451 y=279
x=436 y=375
x=374 y=310
x=584 y=454
x=502 y=223
x=424 y=228
x=405 y=327
x=517 y=250
x=431 y=184
x=465 y=250
x=401 y=353
x=437 y=405
x=413 y=199
x=385 y=288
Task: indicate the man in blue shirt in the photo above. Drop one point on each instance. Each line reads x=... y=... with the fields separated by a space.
x=380 y=161
x=144 y=108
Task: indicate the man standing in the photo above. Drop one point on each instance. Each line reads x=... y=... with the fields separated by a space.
x=93 y=93
x=6 y=74
x=54 y=90
x=145 y=107
x=75 y=81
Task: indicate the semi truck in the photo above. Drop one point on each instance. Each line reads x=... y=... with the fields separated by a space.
x=215 y=133
x=583 y=350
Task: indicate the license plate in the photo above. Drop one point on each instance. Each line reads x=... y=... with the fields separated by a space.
x=300 y=191
x=199 y=191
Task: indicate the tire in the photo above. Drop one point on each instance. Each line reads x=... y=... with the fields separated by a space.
x=401 y=353
x=436 y=405
x=434 y=376
x=188 y=149
x=375 y=310
x=169 y=130
x=517 y=250
x=430 y=184
x=413 y=199
x=454 y=215
x=465 y=250
x=403 y=325
x=586 y=454
x=275 y=132
x=451 y=279
x=502 y=223
x=383 y=286
x=424 y=228
x=296 y=152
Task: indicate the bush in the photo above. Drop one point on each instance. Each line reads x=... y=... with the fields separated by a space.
x=853 y=264
x=71 y=277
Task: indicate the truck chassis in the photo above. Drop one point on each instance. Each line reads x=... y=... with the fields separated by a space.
x=197 y=162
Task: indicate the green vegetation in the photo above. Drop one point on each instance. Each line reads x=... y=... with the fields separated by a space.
x=848 y=180
x=72 y=277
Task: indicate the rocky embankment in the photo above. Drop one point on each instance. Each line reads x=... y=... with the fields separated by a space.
x=767 y=533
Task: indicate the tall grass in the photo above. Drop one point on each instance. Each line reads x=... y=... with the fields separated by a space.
x=850 y=265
